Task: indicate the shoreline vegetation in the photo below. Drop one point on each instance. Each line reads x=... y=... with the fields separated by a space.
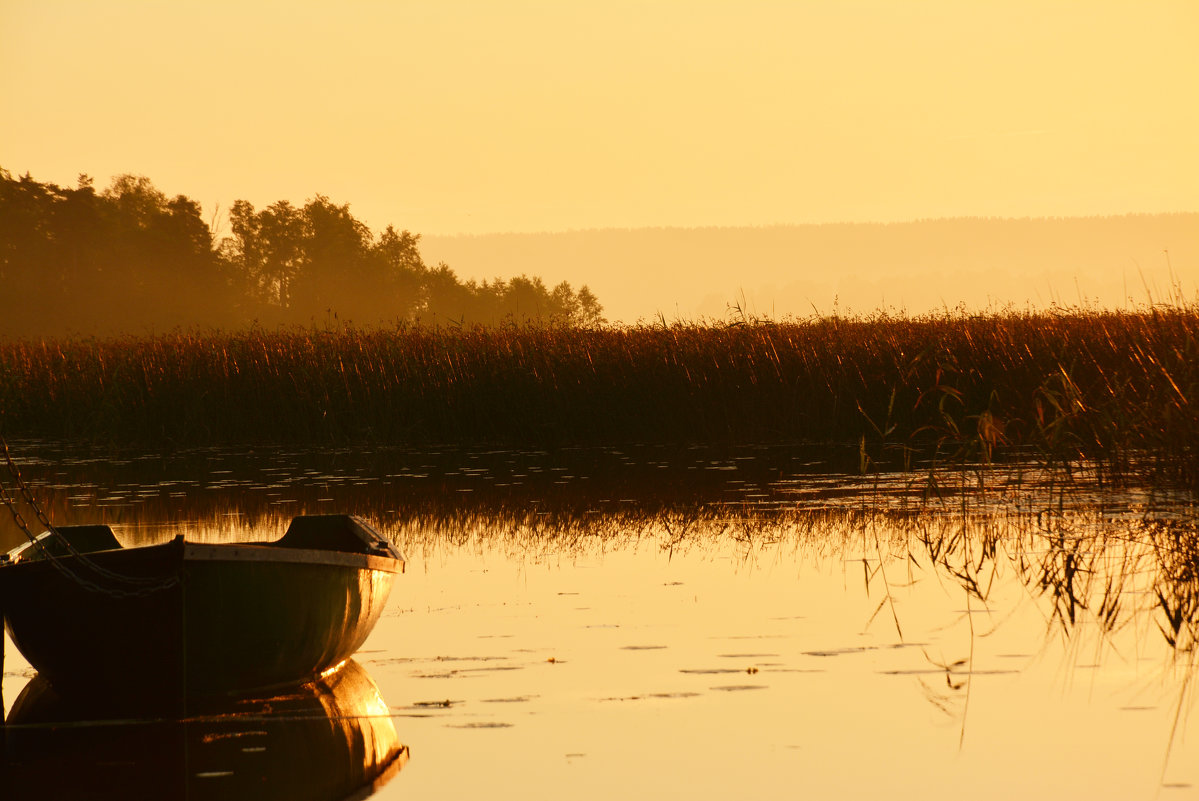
x=1114 y=390
x=302 y=326
x=129 y=259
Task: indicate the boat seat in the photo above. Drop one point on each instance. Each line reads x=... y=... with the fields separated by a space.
x=347 y=533
x=85 y=539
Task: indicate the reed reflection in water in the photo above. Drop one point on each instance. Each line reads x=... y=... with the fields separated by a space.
x=763 y=631
x=259 y=487
x=845 y=656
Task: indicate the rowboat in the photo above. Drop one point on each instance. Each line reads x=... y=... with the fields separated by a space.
x=183 y=619
x=326 y=740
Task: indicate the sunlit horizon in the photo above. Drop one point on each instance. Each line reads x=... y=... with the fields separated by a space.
x=465 y=119
x=468 y=117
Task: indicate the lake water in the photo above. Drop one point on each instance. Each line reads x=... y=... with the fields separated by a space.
x=653 y=622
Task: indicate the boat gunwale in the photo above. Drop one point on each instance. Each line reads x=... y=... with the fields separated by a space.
x=377 y=553
x=269 y=552
x=240 y=552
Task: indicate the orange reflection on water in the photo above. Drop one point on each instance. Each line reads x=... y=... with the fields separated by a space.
x=749 y=650
x=797 y=662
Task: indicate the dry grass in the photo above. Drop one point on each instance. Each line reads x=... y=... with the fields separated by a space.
x=1099 y=386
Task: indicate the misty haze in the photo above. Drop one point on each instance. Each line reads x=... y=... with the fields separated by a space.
x=803 y=270
x=691 y=399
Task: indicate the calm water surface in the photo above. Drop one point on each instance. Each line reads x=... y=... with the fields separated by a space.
x=694 y=624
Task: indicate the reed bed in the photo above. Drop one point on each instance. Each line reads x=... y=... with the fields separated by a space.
x=1104 y=387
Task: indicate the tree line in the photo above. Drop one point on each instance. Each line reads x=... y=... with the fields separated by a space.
x=131 y=259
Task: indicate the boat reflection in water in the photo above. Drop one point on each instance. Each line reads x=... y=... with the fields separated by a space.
x=329 y=739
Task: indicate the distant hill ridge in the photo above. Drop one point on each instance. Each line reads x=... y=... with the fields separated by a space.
x=781 y=270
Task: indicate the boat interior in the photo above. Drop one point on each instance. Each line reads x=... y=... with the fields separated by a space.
x=344 y=533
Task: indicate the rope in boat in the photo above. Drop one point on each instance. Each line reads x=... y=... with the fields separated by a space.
x=145 y=585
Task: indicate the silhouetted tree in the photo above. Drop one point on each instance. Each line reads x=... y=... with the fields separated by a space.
x=131 y=258
x=405 y=270
x=266 y=249
x=337 y=271
x=589 y=313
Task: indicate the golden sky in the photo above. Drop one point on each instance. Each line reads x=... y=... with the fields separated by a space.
x=478 y=116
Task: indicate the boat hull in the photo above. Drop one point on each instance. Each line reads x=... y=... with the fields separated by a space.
x=214 y=619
